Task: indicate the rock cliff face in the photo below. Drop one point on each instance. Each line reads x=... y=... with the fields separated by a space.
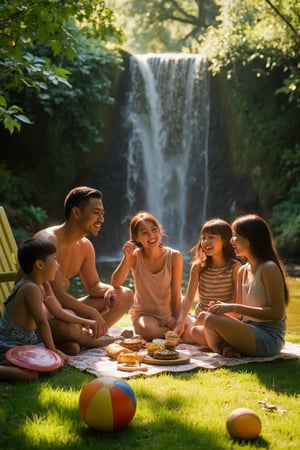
x=228 y=193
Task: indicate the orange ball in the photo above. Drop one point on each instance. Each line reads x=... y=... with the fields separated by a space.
x=243 y=423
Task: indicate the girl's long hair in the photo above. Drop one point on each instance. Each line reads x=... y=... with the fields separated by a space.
x=213 y=226
x=256 y=230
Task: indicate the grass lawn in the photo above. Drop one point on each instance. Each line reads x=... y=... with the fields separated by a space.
x=174 y=411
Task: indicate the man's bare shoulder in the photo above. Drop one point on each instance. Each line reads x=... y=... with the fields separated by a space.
x=48 y=234
x=85 y=245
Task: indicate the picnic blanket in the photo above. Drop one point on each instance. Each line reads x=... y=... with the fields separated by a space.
x=96 y=361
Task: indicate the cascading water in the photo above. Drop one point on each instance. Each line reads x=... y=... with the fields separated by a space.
x=167 y=115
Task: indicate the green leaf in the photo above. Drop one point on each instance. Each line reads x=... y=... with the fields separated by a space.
x=23 y=118
x=3 y=102
x=10 y=124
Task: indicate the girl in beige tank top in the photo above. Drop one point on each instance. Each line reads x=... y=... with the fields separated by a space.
x=157 y=274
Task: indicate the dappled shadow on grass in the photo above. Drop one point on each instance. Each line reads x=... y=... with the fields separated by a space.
x=152 y=429
x=163 y=419
x=31 y=410
x=141 y=433
x=171 y=434
x=160 y=433
x=68 y=377
x=281 y=376
x=49 y=417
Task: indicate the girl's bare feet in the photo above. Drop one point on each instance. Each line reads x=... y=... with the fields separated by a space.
x=230 y=352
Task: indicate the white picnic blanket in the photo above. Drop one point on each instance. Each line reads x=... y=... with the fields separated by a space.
x=96 y=361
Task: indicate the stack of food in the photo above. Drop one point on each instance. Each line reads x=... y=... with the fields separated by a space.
x=135 y=343
x=164 y=348
x=172 y=339
x=127 y=359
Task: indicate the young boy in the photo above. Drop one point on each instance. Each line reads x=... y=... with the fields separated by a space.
x=29 y=305
x=24 y=320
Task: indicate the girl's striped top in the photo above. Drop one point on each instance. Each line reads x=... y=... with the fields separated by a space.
x=216 y=283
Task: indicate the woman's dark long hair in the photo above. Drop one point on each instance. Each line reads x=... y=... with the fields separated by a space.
x=259 y=235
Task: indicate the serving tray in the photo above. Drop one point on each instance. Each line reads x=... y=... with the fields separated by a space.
x=183 y=358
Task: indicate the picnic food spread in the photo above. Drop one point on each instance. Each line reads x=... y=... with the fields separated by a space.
x=131 y=353
x=163 y=351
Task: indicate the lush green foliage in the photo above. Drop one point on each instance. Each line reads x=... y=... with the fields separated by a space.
x=286 y=214
x=67 y=130
x=228 y=32
x=26 y=23
x=262 y=31
x=57 y=64
x=91 y=74
x=262 y=38
x=16 y=195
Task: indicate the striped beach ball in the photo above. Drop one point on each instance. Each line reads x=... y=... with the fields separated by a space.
x=107 y=404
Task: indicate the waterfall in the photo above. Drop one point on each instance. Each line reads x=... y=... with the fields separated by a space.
x=167 y=121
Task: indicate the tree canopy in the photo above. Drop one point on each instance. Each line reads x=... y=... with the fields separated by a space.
x=261 y=31
x=55 y=52
x=226 y=31
x=54 y=24
x=157 y=25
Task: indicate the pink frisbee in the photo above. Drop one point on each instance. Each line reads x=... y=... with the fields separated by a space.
x=34 y=357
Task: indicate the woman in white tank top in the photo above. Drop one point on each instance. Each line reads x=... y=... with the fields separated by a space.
x=259 y=325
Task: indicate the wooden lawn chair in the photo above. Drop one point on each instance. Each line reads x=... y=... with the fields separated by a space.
x=8 y=258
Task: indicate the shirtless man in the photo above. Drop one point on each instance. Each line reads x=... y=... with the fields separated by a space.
x=84 y=216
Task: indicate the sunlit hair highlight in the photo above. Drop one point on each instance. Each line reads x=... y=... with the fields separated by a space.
x=79 y=197
x=136 y=221
x=218 y=227
x=262 y=244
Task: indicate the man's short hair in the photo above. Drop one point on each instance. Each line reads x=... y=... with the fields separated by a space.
x=79 y=197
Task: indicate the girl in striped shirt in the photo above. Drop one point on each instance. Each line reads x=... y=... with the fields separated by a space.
x=213 y=273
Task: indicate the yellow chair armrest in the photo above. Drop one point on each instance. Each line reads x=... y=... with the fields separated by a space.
x=8 y=276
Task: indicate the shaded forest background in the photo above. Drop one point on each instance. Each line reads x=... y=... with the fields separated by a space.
x=60 y=67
